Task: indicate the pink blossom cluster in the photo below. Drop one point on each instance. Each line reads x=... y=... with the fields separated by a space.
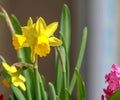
x=113 y=80
x=1 y=97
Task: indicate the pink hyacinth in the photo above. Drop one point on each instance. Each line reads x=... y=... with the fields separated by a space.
x=113 y=80
x=1 y=97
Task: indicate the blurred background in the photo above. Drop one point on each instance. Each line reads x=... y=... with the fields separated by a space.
x=100 y=16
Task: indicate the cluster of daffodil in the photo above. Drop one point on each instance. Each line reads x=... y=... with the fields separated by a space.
x=32 y=41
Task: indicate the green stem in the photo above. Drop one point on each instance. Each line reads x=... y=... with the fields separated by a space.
x=37 y=85
x=64 y=84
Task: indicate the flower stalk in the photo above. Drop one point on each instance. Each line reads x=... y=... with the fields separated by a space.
x=36 y=80
x=7 y=19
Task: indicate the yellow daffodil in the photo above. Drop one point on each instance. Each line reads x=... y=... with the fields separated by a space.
x=38 y=36
x=17 y=79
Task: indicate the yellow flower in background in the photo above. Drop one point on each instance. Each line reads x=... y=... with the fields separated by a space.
x=17 y=79
x=38 y=36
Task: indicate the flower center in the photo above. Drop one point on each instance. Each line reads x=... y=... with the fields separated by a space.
x=42 y=47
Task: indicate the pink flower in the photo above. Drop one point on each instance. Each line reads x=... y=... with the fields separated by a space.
x=1 y=97
x=113 y=80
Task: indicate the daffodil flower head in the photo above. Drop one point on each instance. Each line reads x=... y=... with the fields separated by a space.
x=17 y=79
x=38 y=36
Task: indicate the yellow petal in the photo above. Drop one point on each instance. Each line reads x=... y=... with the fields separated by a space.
x=16 y=81
x=53 y=41
x=40 y=25
x=51 y=28
x=30 y=22
x=18 y=41
x=11 y=69
x=14 y=78
x=22 y=86
x=16 y=84
x=22 y=78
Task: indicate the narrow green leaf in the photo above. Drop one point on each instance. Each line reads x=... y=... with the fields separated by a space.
x=43 y=81
x=44 y=95
x=115 y=96
x=43 y=92
x=19 y=95
x=57 y=98
x=29 y=84
x=63 y=91
x=65 y=30
x=16 y=24
x=59 y=76
x=67 y=94
x=82 y=49
x=65 y=27
x=2 y=15
x=65 y=35
x=52 y=93
x=80 y=86
x=6 y=75
x=80 y=58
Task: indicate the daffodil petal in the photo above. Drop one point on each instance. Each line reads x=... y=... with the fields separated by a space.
x=51 y=28
x=19 y=82
x=22 y=78
x=14 y=78
x=22 y=86
x=8 y=68
x=16 y=84
x=30 y=22
x=40 y=25
x=53 y=41
x=18 y=41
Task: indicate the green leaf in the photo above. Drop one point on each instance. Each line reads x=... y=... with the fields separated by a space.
x=43 y=81
x=52 y=93
x=11 y=97
x=17 y=92
x=80 y=58
x=6 y=75
x=82 y=49
x=57 y=98
x=65 y=35
x=65 y=27
x=16 y=24
x=59 y=75
x=2 y=15
x=67 y=94
x=80 y=86
x=115 y=96
x=44 y=95
x=29 y=84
